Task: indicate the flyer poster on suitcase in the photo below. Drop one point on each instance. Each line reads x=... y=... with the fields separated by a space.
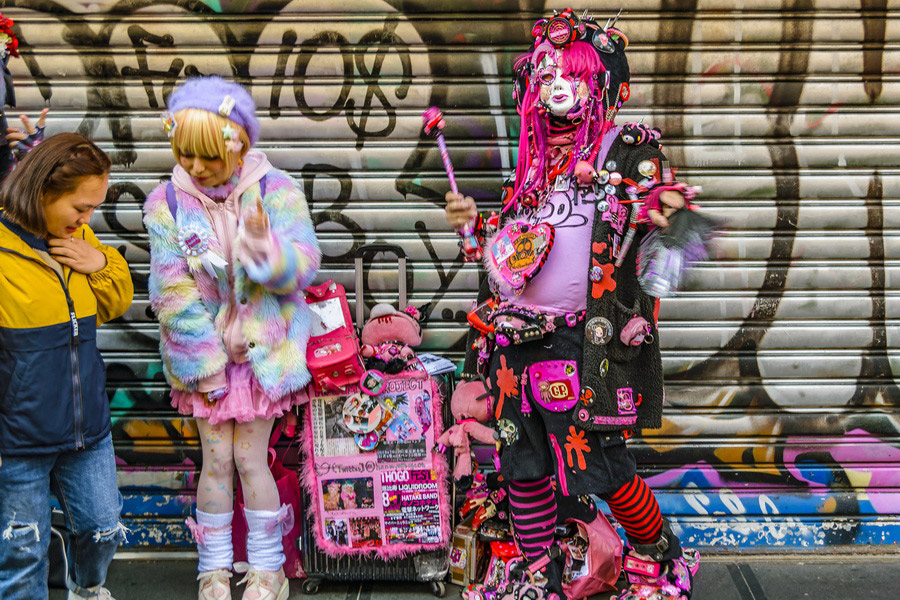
x=378 y=486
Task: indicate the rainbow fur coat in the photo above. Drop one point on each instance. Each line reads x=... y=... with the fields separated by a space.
x=188 y=301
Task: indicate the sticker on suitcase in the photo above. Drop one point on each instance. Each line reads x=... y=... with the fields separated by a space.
x=412 y=512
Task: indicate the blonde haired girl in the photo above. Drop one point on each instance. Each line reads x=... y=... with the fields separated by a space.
x=232 y=248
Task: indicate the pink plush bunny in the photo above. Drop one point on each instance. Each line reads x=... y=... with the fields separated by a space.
x=460 y=438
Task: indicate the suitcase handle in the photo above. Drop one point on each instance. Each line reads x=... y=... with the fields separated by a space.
x=358 y=261
x=365 y=249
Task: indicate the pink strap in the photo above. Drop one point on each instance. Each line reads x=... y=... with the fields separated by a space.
x=526 y=406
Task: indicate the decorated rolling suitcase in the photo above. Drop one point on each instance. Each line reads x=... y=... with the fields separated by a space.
x=376 y=488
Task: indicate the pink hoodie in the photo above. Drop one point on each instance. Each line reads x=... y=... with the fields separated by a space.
x=224 y=218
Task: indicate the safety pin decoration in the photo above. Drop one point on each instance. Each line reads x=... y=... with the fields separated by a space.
x=433 y=124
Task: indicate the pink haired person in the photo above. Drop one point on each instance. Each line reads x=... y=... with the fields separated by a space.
x=572 y=352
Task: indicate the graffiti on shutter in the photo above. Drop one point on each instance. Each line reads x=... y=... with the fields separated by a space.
x=781 y=422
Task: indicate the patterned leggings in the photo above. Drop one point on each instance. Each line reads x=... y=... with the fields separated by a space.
x=533 y=508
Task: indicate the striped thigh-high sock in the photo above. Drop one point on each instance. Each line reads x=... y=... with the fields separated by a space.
x=533 y=508
x=635 y=508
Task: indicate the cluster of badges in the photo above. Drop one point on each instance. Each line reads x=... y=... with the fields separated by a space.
x=368 y=416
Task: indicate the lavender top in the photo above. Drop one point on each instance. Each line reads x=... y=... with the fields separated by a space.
x=561 y=287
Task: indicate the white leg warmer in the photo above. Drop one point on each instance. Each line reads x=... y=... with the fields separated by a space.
x=213 y=537
x=264 y=532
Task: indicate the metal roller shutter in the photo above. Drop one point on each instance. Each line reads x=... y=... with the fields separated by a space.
x=781 y=428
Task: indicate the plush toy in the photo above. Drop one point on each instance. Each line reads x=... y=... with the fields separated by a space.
x=389 y=336
x=636 y=134
x=470 y=405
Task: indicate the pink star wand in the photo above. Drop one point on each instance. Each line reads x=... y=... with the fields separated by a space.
x=433 y=122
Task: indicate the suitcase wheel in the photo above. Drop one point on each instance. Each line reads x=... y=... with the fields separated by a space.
x=311 y=586
x=438 y=589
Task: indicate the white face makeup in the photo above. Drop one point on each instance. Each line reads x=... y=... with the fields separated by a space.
x=557 y=91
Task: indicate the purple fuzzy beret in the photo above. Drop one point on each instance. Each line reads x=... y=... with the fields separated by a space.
x=211 y=93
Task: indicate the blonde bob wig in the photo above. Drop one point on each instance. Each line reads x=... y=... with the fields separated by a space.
x=198 y=132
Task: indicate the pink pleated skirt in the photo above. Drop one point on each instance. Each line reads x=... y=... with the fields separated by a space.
x=244 y=402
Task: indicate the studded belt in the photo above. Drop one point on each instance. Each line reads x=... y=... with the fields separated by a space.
x=532 y=325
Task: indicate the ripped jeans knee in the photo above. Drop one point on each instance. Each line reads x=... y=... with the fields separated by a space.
x=104 y=538
x=91 y=553
x=23 y=538
x=115 y=535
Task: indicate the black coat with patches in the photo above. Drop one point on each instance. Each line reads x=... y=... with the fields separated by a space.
x=638 y=368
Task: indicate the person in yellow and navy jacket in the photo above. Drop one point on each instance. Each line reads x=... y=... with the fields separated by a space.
x=57 y=284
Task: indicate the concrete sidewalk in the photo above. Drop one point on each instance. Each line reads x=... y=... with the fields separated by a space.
x=721 y=577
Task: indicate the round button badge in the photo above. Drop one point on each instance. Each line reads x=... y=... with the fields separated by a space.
x=599 y=331
x=647 y=168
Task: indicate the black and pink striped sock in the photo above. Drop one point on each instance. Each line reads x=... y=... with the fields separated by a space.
x=635 y=508
x=533 y=508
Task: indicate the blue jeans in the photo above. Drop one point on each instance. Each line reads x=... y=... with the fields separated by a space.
x=84 y=482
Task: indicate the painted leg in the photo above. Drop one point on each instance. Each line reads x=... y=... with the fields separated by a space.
x=215 y=501
x=266 y=518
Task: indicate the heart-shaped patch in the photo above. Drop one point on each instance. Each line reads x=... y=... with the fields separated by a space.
x=517 y=252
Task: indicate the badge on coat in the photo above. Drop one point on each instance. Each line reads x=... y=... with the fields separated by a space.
x=194 y=241
x=599 y=331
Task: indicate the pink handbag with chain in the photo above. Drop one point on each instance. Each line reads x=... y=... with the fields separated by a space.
x=593 y=558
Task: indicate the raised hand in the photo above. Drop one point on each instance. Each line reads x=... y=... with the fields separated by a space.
x=14 y=135
x=670 y=200
x=257 y=224
x=459 y=210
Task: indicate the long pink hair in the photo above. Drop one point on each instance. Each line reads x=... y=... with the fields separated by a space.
x=580 y=60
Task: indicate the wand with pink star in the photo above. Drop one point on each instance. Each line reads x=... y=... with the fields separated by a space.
x=433 y=121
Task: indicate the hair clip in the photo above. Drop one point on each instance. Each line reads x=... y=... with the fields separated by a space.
x=169 y=124
x=227 y=106
x=233 y=141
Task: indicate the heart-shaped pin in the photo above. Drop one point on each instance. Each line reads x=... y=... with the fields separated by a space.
x=517 y=253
